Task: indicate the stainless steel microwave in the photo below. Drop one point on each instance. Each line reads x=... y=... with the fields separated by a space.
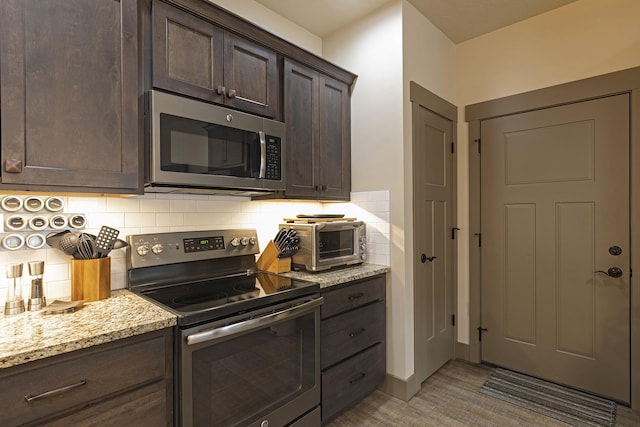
x=194 y=146
x=324 y=245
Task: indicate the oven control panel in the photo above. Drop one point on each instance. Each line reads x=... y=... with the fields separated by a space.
x=167 y=248
x=214 y=243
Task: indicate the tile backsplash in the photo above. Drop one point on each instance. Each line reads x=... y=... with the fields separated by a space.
x=152 y=213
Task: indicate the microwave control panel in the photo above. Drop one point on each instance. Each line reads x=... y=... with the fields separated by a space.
x=274 y=158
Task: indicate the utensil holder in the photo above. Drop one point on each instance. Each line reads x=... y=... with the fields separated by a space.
x=269 y=260
x=90 y=279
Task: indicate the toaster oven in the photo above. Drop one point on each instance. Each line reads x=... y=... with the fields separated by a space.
x=324 y=245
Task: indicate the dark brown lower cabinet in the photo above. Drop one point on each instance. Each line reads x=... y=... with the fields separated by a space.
x=122 y=383
x=352 y=339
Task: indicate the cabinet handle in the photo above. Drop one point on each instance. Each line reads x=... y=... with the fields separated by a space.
x=233 y=94
x=358 y=378
x=13 y=166
x=221 y=90
x=356 y=296
x=324 y=188
x=55 y=392
x=356 y=332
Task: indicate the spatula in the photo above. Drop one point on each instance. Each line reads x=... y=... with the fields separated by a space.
x=105 y=240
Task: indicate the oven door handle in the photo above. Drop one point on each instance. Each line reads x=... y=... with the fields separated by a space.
x=251 y=324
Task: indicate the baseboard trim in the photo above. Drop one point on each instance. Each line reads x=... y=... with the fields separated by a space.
x=399 y=388
x=463 y=351
x=406 y=389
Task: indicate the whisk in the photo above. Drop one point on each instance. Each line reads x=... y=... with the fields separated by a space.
x=86 y=247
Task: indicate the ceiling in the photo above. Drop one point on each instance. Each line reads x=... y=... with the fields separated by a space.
x=460 y=20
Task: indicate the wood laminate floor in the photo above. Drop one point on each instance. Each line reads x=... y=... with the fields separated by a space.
x=450 y=397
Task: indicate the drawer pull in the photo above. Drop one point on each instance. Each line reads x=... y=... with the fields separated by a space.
x=356 y=332
x=358 y=378
x=55 y=392
x=356 y=296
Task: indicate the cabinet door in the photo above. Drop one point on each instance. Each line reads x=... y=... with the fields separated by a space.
x=335 y=140
x=69 y=95
x=251 y=77
x=188 y=54
x=301 y=120
x=317 y=117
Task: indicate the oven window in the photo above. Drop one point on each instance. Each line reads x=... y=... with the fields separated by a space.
x=193 y=146
x=336 y=244
x=246 y=377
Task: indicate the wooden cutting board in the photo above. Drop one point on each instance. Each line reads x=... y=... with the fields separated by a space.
x=315 y=220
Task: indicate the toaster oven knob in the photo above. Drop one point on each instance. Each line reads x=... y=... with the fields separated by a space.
x=235 y=242
x=252 y=240
x=142 y=250
x=157 y=248
x=244 y=241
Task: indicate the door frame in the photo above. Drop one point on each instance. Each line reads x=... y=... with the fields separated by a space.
x=625 y=81
x=421 y=97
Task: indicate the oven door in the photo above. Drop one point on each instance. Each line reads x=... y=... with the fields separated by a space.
x=262 y=366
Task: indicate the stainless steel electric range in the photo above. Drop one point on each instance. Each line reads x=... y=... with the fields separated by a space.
x=247 y=342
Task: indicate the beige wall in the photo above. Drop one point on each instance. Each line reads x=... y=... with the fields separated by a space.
x=372 y=48
x=583 y=39
x=274 y=23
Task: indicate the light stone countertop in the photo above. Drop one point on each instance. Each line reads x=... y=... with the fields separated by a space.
x=33 y=335
x=337 y=276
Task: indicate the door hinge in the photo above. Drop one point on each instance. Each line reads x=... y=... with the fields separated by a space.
x=453 y=149
x=480 y=331
x=479 y=239
x=479 y=143
x=453 y=232
x=453 y=320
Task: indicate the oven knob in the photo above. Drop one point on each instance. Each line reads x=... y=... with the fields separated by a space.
x=265 y=423
x=142 y=250
x=157 y=248
x=252 y=240
x=244 y=241
x=235 y=242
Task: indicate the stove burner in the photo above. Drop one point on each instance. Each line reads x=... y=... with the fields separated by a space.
x=191 y=299
x=245 y=286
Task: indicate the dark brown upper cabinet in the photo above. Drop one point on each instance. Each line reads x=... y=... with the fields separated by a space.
x=69 y=96
x=194 y=57
x=317 y=116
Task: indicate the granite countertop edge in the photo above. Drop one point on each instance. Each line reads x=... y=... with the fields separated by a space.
x=32 y=336
x=338 y=276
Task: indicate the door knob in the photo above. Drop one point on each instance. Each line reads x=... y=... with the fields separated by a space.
x=614 y=272
x=424 y=258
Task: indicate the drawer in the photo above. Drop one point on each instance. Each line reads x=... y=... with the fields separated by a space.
x=352 y=296
x=143 y=407
x=349 y=333
x=87 y=375
x=350 y=381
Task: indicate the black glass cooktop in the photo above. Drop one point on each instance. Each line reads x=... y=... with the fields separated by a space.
x=215 y=298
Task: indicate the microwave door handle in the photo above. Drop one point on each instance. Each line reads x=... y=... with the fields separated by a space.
x=263 y=155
